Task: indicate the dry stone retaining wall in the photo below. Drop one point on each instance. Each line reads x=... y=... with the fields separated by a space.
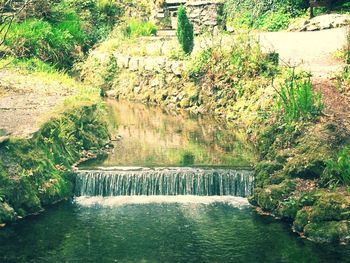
x=153 y=64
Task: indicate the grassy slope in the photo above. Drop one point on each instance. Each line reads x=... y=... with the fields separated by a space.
x=36 y=172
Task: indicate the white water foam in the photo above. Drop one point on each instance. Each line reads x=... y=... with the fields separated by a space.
x=114 y=201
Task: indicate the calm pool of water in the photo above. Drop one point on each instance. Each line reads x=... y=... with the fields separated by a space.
x=130 y=230
x=150 y=136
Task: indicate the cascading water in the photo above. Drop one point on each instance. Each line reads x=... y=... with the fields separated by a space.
x=165 y=181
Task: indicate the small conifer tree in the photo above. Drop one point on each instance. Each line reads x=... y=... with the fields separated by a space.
x=184 y=31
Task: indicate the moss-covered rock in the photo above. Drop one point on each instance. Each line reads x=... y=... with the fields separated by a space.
x=7 y=213
x=265 y=170
x=331 y=206
x=288 y=209
x=36 y=172
x=329 y=231
x=301 y=219
x=270 y=196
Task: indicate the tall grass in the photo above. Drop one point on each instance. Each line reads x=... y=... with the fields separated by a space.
x=55 y=43
x=298 y=101
x=136 y=28
x=66 y=33
x=337 y=170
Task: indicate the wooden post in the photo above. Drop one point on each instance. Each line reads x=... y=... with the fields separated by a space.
x=319 y=3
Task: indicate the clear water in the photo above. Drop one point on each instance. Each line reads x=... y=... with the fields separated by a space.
x=152 y=137
x=159 y=228
x=141 y=230
x=165 y=181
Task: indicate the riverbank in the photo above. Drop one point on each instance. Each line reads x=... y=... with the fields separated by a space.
x=239 y=82
x=49 y=122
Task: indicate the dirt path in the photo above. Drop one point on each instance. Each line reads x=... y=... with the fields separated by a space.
x=313 y=51
x=25 y=100
x=337 y=105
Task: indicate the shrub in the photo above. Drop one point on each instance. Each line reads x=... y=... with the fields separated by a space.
x=231 y=65
x=337 y=170
x=136 y=28
x=270 y=15
x=298 y=100
x=55 y=43
x=64 y=34
x=184 y=31
x=243 y=20
x=273 y=21
x=98 y=17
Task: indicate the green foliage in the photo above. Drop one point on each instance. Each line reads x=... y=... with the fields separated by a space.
x=243 y=59
x=65 y=33
x=109 y=75
x=55 y=44
x=298 y=100
x=41 y=165
x=273 y=21
x=33 y=65
x=137 y=28
x=271 y=15
x=337 y=170
x=343 y=80
x=184 y=31
x=98 y=17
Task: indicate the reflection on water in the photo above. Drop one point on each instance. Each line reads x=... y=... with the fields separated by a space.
x=194 y=231
x=149 y=136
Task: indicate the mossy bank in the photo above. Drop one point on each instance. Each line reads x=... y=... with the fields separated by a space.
x=37 y=172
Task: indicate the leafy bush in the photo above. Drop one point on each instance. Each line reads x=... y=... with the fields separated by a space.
x=337 y=170
x=243 y=20
x=108 y=75
x=136 y=28
x=298 y=100
x=273 y=21
x=98 y=17
x=270 y=15
x=63 y=35
x=220 y=66
x=55 y=44
x=184 y=31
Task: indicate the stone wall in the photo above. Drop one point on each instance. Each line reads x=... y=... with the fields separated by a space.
x=152 y=64
x=205 y=15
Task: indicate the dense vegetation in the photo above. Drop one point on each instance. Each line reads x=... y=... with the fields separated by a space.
x=37 y=172
x=61 y=33
x=271 y=15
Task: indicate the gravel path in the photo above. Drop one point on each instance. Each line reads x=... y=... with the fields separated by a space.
x=310 y=50
x=25 y=101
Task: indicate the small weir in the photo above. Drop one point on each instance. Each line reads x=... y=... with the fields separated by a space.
x=164 y=181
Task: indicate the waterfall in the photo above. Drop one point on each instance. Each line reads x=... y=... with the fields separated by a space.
x=165 y=181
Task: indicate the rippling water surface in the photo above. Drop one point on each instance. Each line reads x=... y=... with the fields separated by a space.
x=158 y=229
